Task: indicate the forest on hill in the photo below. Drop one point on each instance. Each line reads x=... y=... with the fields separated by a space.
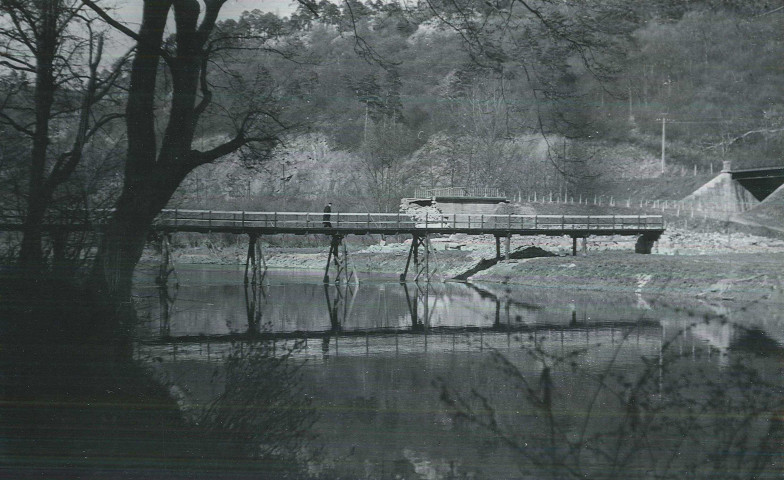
x=420 y=103
x=378 y=98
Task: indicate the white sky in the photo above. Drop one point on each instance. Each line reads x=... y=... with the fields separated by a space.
x=129 y=12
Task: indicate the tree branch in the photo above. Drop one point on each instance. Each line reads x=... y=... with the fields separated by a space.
x=206 y=93
x=16 y=126
x=110 y=20
x=23 y=66
x=198 y=158
x=119 y=26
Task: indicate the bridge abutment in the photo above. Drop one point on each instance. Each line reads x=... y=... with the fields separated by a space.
x=733 y=192
x=645 y=243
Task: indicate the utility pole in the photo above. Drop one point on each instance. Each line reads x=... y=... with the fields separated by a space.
x=664 y=136
x=366 y=121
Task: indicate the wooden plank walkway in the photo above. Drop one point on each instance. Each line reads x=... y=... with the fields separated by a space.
x=268 y=223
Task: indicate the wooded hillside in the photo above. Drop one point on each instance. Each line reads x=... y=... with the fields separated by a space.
x=379 y=99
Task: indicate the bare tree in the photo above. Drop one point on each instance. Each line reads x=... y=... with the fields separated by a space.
x=57 y=43
x=156 y=164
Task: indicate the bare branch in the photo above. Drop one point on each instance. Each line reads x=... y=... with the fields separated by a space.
x=166 y=56
x=16 y=126
x=206 y=93
x=110 y=20
x=23 y=66
x=362 y=48
x=198 y=158
x=310 y=6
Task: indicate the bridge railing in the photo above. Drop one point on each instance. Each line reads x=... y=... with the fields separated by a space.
x=216 y=219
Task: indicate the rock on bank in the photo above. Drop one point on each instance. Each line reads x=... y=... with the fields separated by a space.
x=741 y=277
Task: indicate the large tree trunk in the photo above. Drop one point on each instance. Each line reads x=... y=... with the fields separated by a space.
x=153 y=172
x=141 y=198
x=30 y=255
x=125 y=236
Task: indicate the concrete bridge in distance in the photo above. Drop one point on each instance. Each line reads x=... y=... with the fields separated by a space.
x=760 y=182
x=734 y=191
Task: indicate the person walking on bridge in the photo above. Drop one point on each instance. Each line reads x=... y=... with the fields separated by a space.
x=327 y=212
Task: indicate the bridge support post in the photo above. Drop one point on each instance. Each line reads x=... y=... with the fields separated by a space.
x=497 y=247
x=507 y=246
x=412 y=252
x=574 y=246
x=338 y=254
x=421 y=262
x=166 y=266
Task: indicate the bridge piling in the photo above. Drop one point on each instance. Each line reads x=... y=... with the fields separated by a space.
x=422 y=265
x=421 y=262
x=338 y=254
x=408 y=259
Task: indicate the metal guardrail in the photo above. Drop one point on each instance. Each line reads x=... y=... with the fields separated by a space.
x=217 y=220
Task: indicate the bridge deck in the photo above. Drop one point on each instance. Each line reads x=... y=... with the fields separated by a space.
x=269 y=223
x=756 y=173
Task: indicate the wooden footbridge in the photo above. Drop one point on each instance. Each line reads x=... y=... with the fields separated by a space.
x=420 y=227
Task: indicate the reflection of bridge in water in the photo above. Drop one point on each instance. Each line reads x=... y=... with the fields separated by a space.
x=424 y=317
x=501 y=326
x=618 y=381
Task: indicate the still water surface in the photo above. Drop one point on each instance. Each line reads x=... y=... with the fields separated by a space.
x=451 y=380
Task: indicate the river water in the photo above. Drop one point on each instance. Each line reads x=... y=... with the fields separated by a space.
x=450 y=380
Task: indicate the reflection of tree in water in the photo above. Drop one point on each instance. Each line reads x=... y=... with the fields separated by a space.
x=263 y=412
x=681 y=415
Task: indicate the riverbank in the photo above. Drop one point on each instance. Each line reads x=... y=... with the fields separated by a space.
x=726 y=277
x=704 y=265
